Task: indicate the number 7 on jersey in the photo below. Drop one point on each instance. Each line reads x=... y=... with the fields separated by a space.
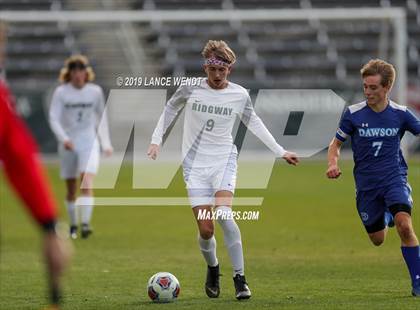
x=378 y=145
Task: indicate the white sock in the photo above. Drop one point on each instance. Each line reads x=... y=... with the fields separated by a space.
x=232 y=236
x=208 y=248
x=86 y=207
x=72 y=211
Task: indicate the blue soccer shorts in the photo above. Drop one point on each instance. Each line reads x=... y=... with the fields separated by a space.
x=372 y=204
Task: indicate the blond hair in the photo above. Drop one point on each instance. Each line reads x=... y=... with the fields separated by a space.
x=64 y=76
x=381 y=67
x=219 y=50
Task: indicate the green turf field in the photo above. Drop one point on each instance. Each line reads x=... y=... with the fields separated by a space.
x=308 y=250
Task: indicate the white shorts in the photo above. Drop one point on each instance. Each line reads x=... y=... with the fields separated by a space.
x=203 y=183
x=78 y=161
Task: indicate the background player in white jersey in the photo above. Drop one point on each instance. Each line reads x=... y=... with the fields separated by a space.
x=210 y=157
x=77 y=109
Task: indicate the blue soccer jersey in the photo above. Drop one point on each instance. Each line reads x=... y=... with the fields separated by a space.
x=375 y=141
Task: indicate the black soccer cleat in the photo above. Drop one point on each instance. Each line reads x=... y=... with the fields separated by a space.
x=86 y=231
x=73 y=232
x=212 y=282
x=241 y=287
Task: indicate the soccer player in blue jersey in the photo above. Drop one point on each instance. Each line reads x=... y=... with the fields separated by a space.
x=383 y=195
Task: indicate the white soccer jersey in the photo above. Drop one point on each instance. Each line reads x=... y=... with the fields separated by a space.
x=209 y=119
x=75 y=114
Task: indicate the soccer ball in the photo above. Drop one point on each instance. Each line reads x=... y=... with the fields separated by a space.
x=163 y=287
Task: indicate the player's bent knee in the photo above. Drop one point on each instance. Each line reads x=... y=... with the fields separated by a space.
x=377 y=238
x=405 y=230
x=206 y=231
x=403 y=222
x=206 y=234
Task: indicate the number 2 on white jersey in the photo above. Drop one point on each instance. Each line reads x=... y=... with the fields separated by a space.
x=79 y=116
x=378 y=145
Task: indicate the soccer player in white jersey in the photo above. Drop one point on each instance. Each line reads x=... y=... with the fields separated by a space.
x=210 y=157
x=77 y=109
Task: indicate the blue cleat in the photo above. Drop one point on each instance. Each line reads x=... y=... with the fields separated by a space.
x=389 y=220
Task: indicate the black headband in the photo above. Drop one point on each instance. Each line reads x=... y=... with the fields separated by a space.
x=76 y=65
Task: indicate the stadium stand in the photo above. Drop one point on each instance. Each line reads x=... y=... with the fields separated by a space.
x=35 y=51
x=282 y=54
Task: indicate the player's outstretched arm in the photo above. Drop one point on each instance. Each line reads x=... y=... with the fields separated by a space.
x=333 y=170
x=257 y=127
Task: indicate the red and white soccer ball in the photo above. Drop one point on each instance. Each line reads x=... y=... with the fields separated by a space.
x=163 y=287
